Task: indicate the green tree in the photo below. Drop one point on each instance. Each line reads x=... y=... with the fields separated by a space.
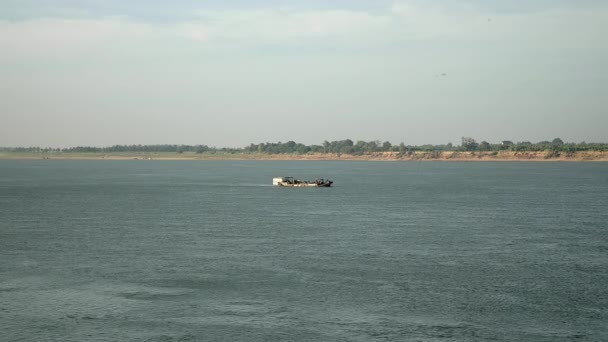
x=201 y=149
x=402 y=148
x=347 y=149
x=469 y=144
x=506 y=145
x=326 y=145
x=372 y=146
x=485 y=146
x=360 y=146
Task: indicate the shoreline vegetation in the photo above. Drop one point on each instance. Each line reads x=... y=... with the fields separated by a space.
x=469 y=150
x=372 y=156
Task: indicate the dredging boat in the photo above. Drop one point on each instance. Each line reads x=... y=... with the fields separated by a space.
x=292 y=182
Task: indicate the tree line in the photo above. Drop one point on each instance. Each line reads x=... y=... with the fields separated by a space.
x=346 y=146
x=556 y=145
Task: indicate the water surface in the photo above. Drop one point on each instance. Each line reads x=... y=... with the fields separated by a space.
x=208 y=250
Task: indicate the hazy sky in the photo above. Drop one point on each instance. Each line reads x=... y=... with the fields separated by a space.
x=103 y=72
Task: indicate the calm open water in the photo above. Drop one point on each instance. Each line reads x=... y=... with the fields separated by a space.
x=396 y=251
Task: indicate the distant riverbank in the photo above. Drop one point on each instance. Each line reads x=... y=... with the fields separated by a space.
x=374 y=156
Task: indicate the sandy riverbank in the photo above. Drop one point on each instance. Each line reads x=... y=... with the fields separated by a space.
x=376 y=156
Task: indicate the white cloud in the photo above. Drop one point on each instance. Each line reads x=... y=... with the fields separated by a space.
x=432 y=22
x=262 y=26
x=400 y=23
x=56 y=37
x=467 y=23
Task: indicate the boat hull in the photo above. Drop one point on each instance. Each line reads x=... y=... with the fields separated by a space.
x=324 y=185
x=294 y=183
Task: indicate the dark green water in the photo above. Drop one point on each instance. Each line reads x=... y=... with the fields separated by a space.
x=208 y=251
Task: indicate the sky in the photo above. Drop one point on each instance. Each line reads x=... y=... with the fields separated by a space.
x=230 y=73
